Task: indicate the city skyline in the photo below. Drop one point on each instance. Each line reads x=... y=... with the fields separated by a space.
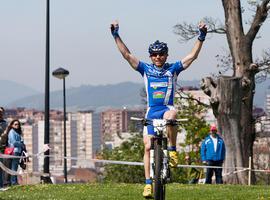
x=81 y=41
x=86 y=131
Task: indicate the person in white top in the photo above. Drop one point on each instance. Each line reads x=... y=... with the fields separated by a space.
x=213 y=154
x=214 y=138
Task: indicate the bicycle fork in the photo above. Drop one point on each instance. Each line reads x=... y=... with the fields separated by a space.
x=165 y=173
x=165 y=169
x=152 y=164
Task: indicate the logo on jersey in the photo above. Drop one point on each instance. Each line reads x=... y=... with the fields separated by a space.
x=159 y=95
x=155 y=85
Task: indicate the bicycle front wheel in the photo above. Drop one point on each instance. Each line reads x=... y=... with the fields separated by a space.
x=159 y=187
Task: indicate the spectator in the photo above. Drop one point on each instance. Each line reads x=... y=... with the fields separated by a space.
x=15 y=140
x=213 y=154
x=3 y=126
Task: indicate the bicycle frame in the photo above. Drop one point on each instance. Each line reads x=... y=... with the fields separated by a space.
x=159 y=160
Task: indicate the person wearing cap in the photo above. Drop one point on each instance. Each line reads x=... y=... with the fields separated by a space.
x=213 y=154
x=160 y=79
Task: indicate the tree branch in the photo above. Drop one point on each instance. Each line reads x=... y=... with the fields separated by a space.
x=264 y=63
x=184 y=95
x=259 y=18
x=263 y=66
x=225 y=62
x=266 y=68
x=209 y=87
x=188 y=31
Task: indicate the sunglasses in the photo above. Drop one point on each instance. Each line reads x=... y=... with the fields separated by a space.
x=157 y=54
x=16 y=124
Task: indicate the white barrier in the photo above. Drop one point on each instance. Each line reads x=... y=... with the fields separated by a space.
x=41 y=155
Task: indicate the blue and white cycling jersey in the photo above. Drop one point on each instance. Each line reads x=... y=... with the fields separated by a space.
x=160 y=83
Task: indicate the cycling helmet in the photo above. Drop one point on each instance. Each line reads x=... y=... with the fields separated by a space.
x=158 y=47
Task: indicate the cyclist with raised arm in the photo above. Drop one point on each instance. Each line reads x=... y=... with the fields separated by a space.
x=160 y=82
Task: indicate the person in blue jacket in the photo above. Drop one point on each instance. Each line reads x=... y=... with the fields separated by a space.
x=15 y=140
x=213 y=154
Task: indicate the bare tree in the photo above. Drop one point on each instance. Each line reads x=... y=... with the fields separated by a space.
x=232 y=96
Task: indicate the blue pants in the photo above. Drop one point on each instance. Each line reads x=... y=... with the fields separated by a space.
x=14 y=167
x=156 y=112
x=210 y=172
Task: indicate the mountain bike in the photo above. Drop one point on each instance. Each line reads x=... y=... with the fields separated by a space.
x=159 y=159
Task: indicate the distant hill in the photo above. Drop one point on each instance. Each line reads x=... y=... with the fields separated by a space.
x=97 y=97
x=11 y=91
x=91 y=97
x=87 y=97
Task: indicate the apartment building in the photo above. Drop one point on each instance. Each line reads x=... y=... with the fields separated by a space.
x=86 y=140
x=83 y=138
x=116 y=121
x=28 y=140
x=266 y=118
x=56 y=146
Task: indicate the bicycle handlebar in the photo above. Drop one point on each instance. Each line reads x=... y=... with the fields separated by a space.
x=137 y=119
x=149 y=121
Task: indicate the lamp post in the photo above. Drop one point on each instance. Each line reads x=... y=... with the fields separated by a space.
x=46 y=166
x=62 y=74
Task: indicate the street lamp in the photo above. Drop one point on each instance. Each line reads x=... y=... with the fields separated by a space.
x=62 y=74
x=46 y=166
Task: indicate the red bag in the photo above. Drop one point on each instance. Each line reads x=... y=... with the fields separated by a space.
x=9 y=150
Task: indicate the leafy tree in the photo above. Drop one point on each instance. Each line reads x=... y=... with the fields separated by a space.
x=196 y=130
x=131 y=150
x=232 y=96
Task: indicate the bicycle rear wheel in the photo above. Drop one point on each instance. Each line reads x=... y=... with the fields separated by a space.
x=159 y=188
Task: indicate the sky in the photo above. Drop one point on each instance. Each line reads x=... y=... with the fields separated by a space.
x=81 y=41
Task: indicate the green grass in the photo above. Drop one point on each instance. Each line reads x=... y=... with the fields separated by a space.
x=134 y=191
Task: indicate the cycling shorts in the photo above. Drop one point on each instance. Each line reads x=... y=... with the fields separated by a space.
x=155 y=112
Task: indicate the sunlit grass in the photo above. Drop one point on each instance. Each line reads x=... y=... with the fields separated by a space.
x=134 y=191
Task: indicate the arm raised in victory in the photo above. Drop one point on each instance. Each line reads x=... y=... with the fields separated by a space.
x=132 y=60
x=197 y=47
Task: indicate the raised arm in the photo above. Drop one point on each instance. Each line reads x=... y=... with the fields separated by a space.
x=132 y=60
x=197 y=47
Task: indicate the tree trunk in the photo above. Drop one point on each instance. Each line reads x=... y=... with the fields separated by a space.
x=232 y=106
x=232 y=97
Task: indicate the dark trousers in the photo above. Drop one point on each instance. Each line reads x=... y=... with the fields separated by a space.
x=1 y=175
x=14 y=167
x=210 y=172
x=6 y=176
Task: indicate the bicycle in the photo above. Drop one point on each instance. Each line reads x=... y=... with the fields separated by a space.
x=159 y=159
